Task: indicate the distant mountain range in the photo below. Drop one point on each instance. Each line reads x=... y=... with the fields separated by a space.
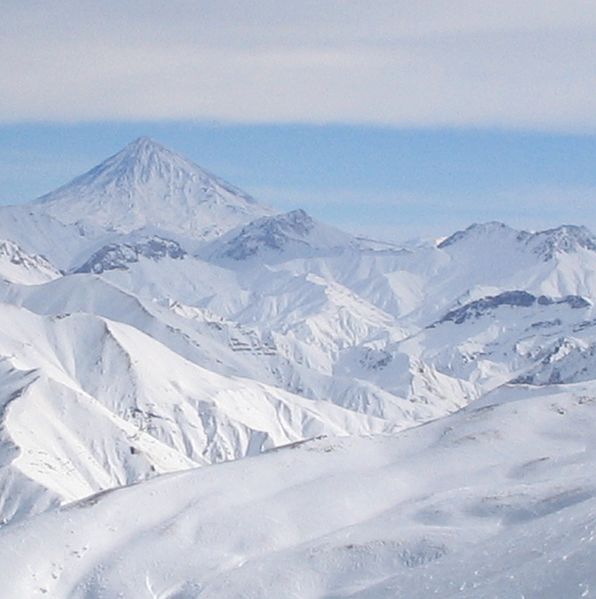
x=155 y=318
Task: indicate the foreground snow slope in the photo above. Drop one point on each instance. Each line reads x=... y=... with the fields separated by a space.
x=497 y=500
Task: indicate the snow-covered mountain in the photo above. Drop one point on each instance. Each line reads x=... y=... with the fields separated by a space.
x=547 y=245
x=154 y=319
x=147 y=185
x=116 y=256
x=280 y=237
x=92 y=404
x=497 y=500
x=143 y=188
x=17 y=266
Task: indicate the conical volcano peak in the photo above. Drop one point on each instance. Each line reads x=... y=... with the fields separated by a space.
x=144 y=159
x=145 y=148
x=144 y=142
x=148 y=185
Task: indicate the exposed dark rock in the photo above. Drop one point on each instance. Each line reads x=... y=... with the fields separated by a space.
x=562 y=240
x=565 y=239
x=517 y=298
x=118 y=256
x=269 y=232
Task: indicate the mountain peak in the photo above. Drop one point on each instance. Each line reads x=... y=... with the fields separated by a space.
x=294 y=232
x=485 y=231
x=566 y=239
x=148 y=185
x=142 y=160
x=145 y=149
x=144 y=141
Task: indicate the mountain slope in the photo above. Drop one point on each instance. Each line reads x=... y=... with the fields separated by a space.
x=193 y=326
x=413 y=515
x=278 y=238
x=485 y=343
x=17 y=266
x=88 y=404
x=329 y=313
x=147 y=185
x=39 y=234
x=225 y=346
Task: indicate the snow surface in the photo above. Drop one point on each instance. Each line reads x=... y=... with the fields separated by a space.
x=17 y=266
x=155 y=320
x=495 y=501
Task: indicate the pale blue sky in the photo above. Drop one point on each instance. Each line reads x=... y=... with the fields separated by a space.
x=395 y=118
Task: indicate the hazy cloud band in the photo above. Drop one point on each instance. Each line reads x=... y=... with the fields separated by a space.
x=457 y=63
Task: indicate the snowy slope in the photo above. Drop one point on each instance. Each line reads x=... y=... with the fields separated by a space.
x=223 y=346
x=480 y=345
x=495 y=501
x=17 y=266
x=89 y=404
x=189 y=326
x=405 y=335
x=39 y=233
x=278 y=238
x=147 y=185
x=327 y=306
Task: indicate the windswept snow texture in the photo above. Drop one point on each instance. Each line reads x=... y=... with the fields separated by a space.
x=155 y=319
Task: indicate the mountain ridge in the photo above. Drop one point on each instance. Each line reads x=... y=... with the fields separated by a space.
x=232 y=399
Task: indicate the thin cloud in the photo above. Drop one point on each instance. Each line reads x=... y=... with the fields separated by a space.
x=456 y=63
